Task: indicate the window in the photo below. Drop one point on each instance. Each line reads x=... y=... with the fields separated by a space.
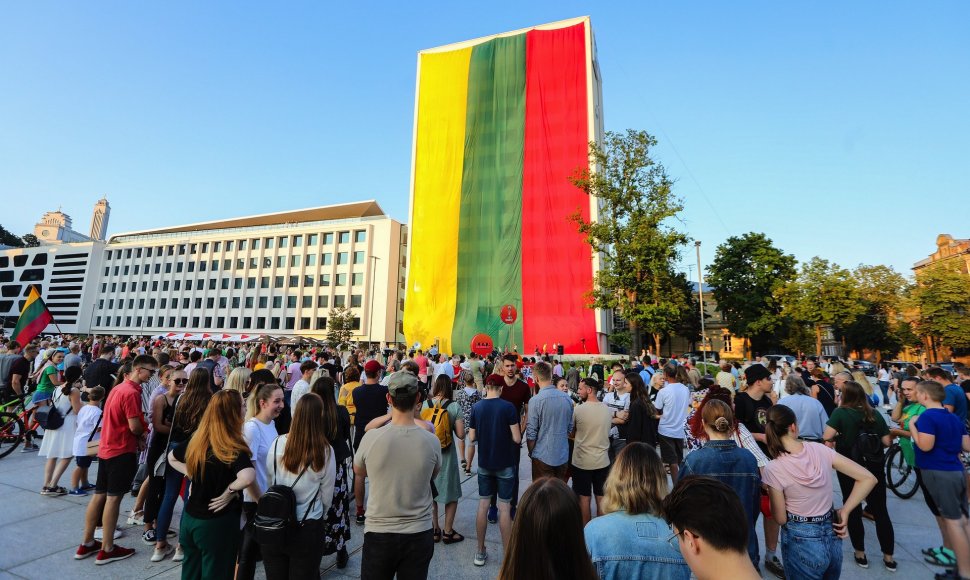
x=341 y=280
x=99 y=321
x=253 y=262
x=168 y=267
x=210 y=302
x=311 y=240
x=251 y=282
x=195 y=322
x=308 y=301
x=240 y=263
x=216 y=246
x=311 y=260
x=264 y=282
x=274 y=322
x=193 y=248
x=323 y=301
x=294 y=261
x=163 y=303
x=308 y=281
x=356 y=300
x=270 y=242
x=185 y=303
x=225 y=284
x=280 y=261
x=355 y=324
x=344 y=237
x=291 y=301
x=327 y=239
x=277 y=302
x=242 y=245
x=205 y=247
x=321 y=323
x=339 y=301
x=237 y=283
x=177 y=286
x=127 y=270
x=326 y=259
x=226 y=264
x=249 y=302
x=255 y=243
x=357 y=279
x=247 y=321
x=128 y=318
x=151 y=320
x=181 y=249
x=202 y=266
x=124 y=286
x=128 y=252
x=290 y=322
x=111 y=304
x=212 y=283
x=235 y=302
x=305 y=323
x=215 y=265
x=229 y=246
x=208 y=322
x=221 y=322
x=284 y=241
x=294 y=281
x=158 y=268
x=324 y=279
x=341 y=258
x=233 y=321
x=260 y=322
x=358 y=257
x=178 y=267
x=188 y=284
x=278 y=282
x=360 y=236
x=263 y=301
x=297 y=241
x=223 y=302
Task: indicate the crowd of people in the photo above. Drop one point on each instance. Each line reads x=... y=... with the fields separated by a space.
x=646 y=467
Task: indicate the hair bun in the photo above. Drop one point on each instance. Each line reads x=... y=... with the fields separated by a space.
x=722 y=425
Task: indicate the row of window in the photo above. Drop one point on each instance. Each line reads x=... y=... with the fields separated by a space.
x=295 y=261
x=359 y=236
x=289 y=322
x=323 y=301
x=295 y=281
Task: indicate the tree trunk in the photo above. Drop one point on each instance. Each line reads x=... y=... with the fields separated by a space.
x=656 y=343
x=818 y=340
x=636 y=343
x=745 y=343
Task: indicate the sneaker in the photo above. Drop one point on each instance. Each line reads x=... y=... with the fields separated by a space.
x=891 y=566
x=179 y=554
x=360 y=519
x=77 y=492
x=862 y=561
x=29 y=448
x=85 y=551
x=88 y=486
x=342 y=558
x=492 y=514
x=117 y=553
x=149 y=538
x=159 y=554
x=136 y=518
x=99 y=533
x=481 y=557
x=774 y=566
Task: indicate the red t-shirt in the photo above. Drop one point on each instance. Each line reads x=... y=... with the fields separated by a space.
x=518 y=394
x=124 y=402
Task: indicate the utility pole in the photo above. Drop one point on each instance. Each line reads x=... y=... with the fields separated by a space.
x=373 y=284
x=700 y=294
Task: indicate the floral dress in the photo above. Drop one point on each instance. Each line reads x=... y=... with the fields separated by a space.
x=466 y=401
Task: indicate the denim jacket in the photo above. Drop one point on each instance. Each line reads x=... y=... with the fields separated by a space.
x=624 y=546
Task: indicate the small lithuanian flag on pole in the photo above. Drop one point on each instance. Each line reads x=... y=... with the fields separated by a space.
x=34 y=318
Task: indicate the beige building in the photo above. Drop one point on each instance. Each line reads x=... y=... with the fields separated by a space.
x=278 y=274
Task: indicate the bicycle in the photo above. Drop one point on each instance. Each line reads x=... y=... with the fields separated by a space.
x=901 y=477
x=16 y=424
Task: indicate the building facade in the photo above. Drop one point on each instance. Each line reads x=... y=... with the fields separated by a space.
x=278 y=274
x=99 y=220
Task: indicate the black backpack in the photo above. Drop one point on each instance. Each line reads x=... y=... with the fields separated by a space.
x=867 y=448
x=276 y=522
x=49 y=417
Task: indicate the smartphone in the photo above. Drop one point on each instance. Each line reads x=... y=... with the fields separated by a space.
x=836 y=517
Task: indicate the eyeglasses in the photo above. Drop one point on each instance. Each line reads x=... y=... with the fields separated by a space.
x=180 y=381
x=671 y=541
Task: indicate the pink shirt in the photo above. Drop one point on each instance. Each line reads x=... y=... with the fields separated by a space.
x=805 y=478
x=295 y=374
x=422 y=362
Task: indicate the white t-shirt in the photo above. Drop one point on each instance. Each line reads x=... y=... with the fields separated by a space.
x=259 y=437
x=672 y=402
x=299 y=389
x=884 y=375
x=616 y=403
x=318 y=484
x=87 y=418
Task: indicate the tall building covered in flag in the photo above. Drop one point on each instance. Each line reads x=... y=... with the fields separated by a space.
x=501 y=124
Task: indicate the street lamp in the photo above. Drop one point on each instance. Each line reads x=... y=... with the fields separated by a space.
x=700 y=294
x=373 y=285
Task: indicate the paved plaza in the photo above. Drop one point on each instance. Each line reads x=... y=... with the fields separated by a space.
x=39 y=534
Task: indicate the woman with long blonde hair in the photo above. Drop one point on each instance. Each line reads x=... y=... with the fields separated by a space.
x=303 y=460
x=216 y=459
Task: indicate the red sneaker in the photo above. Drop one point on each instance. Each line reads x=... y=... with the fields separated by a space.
x=85 y=551
x=118 y=553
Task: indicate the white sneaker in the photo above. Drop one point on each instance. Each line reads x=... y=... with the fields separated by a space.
x=160 y=553
x=99 y=534
x=481 y=557
x=179 y=554
x=136 y=518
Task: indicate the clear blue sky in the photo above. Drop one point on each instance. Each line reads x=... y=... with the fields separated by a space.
x=841 y=129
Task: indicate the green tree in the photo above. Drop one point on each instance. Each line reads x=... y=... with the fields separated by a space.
x=882 y=291
x=823 y=294
x=633 y=235
x=745 y=276
x=942 y=294
x=9 y=239
x=340 y=330
x=30 y=241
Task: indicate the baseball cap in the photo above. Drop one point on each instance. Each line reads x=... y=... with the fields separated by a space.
x=372 y=366
x=755 y=373
x=401 y=383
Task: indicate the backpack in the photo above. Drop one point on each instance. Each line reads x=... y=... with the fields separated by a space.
x=438 y=416
x=49 y=417
x=276 y=522
x=210 y=365
x=867 y=448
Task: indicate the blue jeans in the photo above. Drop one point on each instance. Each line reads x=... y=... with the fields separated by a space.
x=173 y=483
x=811 y=551
x=496 y=481
x=884 y=387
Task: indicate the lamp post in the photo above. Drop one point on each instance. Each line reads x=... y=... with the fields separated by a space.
x=373 y=285
x=700 y=294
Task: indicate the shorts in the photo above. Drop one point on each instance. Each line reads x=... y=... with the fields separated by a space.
x=948 y=489
x=116 y=474
x=589 y=480
x=83 y=461
x=671 y=449
x=496 y=481
x=40 y=396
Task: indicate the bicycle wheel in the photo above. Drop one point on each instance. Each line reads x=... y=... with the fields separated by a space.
x=11 y=433
x=900 y=476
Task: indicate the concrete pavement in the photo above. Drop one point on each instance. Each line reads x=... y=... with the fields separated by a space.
x=39 y=534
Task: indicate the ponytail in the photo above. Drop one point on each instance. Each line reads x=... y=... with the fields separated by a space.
x=779 y=420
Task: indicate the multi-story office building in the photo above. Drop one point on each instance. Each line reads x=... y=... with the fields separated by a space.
x=277 y=274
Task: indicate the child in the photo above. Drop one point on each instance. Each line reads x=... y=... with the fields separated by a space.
x=88 y=419
x=939 y=436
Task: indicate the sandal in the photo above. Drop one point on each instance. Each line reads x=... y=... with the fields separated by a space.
x=941 y=557
x=452 y=537
x=436 y=534
x=468 y=472
x=464 y=465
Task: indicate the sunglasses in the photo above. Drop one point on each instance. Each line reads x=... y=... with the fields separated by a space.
x=180 y=381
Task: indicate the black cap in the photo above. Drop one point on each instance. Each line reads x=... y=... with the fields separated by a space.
x=755 y=373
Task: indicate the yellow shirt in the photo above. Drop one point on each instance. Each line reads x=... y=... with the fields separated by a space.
x=347 y=400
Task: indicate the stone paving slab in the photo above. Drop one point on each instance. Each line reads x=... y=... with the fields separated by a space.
x=38 y=536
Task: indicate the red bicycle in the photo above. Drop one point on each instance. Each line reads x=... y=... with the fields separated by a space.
x=17 y=424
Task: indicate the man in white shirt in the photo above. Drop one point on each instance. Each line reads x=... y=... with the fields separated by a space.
x=302 y=386
x=618 y=401
x=672 y=402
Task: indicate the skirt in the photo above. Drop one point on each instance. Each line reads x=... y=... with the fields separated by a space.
x=337 y=526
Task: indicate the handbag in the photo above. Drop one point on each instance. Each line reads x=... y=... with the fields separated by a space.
x=94 y=446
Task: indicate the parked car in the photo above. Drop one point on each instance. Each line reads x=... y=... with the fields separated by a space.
x=865 y=366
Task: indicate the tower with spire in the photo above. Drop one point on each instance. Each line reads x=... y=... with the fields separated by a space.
x=99 y=221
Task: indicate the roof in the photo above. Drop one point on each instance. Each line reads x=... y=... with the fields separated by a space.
x=359 y=209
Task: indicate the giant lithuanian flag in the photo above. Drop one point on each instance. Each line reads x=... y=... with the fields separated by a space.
x=501 y=124
x=34 y=318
